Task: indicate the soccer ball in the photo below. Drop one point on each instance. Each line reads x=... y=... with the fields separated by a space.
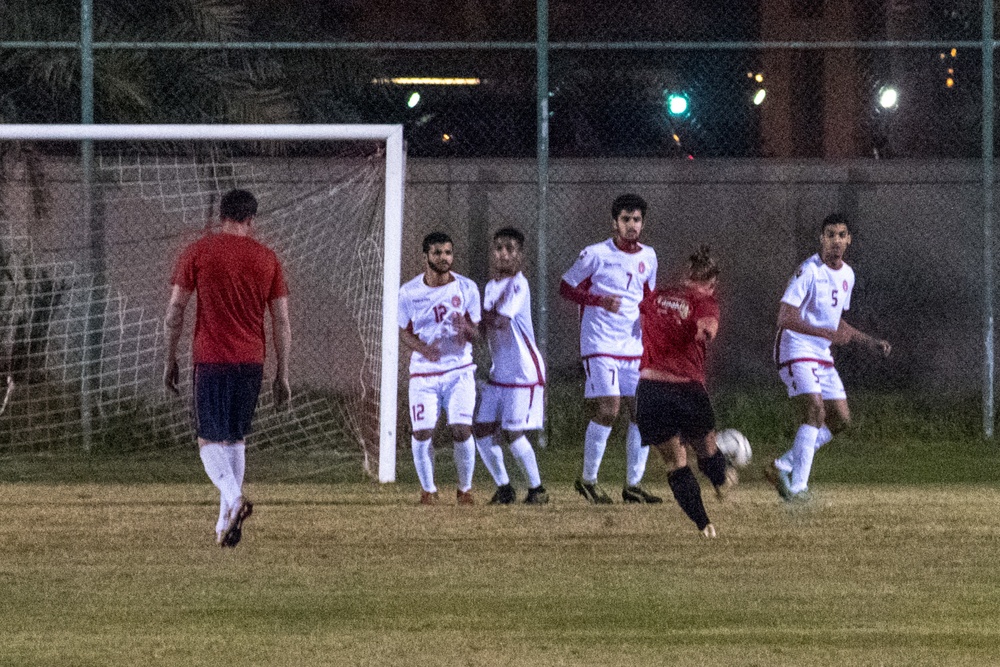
x=734 y=446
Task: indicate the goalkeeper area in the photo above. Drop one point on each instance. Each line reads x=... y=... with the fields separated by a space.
x=92 y=220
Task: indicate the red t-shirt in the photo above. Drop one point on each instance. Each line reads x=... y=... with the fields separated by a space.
x=669 y=318
x=235 y=278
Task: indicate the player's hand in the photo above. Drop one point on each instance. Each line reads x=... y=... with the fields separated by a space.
x=463 y=327
x=611 y=303
x=883 y=347
x=431 y=352
x=172 y=376
x=282 y=392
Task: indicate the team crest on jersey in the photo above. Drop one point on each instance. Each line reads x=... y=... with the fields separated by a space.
x=456 y=301
x=642 y=267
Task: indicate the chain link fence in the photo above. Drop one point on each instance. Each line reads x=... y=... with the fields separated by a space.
x=743 y=124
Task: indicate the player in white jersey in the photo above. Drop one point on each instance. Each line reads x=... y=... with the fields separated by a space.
x=809 y=321
x=608 y=280
x=512 y=402
x=439 y=312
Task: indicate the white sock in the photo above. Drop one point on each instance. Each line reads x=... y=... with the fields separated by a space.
x=237 y=461
x=216 y=463
x=635 y=456
x=824 y=436
x=423 y=461
x=215 y=459
x=522 y=451
x=492 y=455
x=594 y=444
x=787 y=460
x=804 y=447
x=465 y=462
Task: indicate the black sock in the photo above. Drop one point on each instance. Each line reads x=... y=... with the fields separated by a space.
x=688 y=495
x=714 y=467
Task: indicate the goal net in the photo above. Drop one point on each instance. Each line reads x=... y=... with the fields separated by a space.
x=92 y=220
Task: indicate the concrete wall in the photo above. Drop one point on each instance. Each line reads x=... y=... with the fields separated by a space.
x=917 y=247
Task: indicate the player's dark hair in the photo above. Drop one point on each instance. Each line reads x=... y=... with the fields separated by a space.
x=238 y=205
x=835 y=219
x=628 y=202
x=510 y=233
x=702 y=267
x=434 y=238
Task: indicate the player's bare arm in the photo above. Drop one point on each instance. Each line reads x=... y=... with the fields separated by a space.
x=608 y=302
x=413 y=342
x=173 y=327
x=282 y=328
x=870 y=343
x=789 y=318
x=493 y=320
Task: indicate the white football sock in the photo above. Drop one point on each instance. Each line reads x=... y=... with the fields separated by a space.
x=804 y=447
x=786 y=461
x=423 y=461
x=594 y=444
x=465 y=463
x=492 y=455
x=522 y=451
x=217 y=466
x=237 y=454
x=635 y=456
x=824 y=436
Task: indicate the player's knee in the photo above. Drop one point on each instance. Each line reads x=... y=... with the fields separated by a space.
x=423 y=435
x=461 y=432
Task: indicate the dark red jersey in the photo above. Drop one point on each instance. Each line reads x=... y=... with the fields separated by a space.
x=235 y=278
x=669 y=318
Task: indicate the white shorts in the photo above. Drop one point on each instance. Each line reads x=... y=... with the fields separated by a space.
x=514 y=408
x=455 y=390
x=608 y=376
x=813 y=377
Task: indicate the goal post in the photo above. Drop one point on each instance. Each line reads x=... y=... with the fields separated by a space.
x=330 y=200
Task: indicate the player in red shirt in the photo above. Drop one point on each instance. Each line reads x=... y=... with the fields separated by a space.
x=237 y=279
x=673 y=410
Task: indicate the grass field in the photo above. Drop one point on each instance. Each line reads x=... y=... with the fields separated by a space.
x=110 y=562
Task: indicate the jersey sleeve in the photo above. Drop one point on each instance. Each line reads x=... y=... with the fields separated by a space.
x=653 y=267
x=799 y=286
x=474 y=309
x=185 y=271
x=514 y=296
x=850 y=292
x=584 y=267
x=405 y=314
x=707 y=309
x=279 y=287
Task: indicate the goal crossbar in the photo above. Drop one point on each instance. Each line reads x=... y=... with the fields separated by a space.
x=391 y=135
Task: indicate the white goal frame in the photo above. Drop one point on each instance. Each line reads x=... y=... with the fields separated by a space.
x=391 y=135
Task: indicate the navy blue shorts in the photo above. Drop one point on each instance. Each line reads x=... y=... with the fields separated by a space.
x=666 y=409
x=225 y=398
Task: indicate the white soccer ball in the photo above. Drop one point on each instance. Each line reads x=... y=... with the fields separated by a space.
x=734 y=446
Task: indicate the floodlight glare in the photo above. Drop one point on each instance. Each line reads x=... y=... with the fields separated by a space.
x=888 y=97
x=413 y=100
x=677 y=104
x=759 y=96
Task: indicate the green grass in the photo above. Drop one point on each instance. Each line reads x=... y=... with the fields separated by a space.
x=121 y=575
x=110 y=560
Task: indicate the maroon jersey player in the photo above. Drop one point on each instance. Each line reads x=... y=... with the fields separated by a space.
x=673 y=410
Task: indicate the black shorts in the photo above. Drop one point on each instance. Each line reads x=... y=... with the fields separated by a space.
x=225 y=398
x=665 y=409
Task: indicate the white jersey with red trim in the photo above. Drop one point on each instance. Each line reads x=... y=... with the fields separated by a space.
x=516 y=358
x=605 y=270
x=822 y=295
x=428 y=312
